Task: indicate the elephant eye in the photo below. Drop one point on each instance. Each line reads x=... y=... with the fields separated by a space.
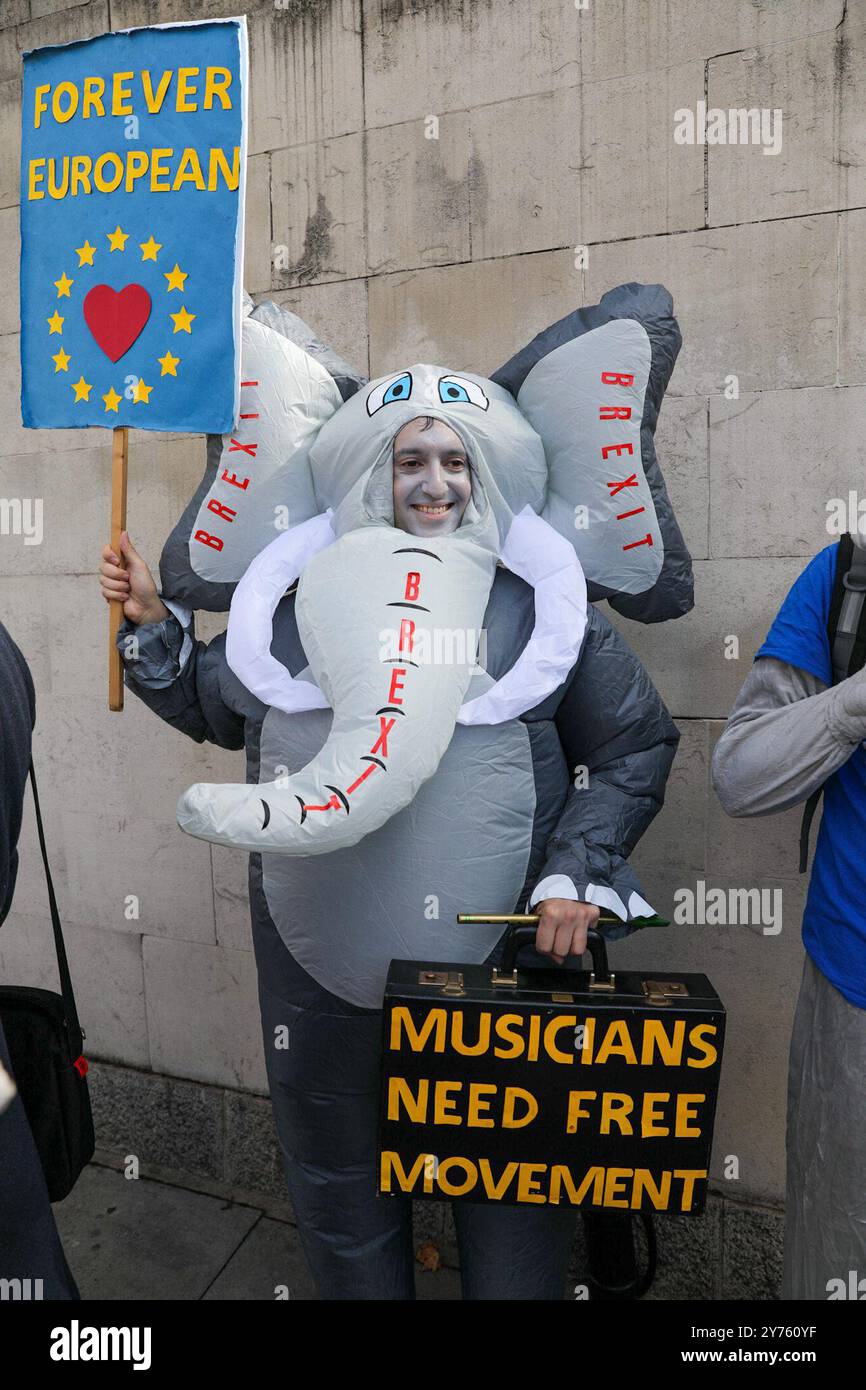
x=460 y=388
x=398 y=388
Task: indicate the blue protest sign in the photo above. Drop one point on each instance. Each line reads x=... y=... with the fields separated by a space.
x=132 y=213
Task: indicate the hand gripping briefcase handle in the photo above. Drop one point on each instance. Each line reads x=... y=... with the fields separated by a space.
x=520 y=931
x=518 y=936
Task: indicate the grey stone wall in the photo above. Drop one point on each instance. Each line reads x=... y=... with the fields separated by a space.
x=555 y=131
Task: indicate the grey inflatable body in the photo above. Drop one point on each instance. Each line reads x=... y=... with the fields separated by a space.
x=500 y=813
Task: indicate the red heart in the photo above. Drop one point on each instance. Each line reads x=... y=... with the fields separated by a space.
x=116 y=317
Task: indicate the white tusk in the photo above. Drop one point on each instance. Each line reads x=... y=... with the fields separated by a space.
x=251 y=618
x=538 y=554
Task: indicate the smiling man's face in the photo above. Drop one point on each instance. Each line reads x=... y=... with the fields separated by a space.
x=432 y=481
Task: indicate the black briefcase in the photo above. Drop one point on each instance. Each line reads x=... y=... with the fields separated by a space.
x=554 y=1086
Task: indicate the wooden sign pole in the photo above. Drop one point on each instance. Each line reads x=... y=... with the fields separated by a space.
x=119 y=457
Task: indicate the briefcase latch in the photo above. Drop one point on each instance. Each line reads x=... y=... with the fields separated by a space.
x=449 y=981
x=608 y=983
x=663 y=991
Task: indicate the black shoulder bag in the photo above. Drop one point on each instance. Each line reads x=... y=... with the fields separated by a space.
x=45 y=1043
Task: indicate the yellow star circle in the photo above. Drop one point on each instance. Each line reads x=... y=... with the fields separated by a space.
x=183 y=319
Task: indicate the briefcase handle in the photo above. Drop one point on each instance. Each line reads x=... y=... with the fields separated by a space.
x=520 y=931
x=515 y=937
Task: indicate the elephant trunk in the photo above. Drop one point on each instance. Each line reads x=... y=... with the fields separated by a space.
x=390 y=624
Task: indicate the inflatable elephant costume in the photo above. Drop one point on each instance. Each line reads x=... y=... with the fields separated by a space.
x=415 y=710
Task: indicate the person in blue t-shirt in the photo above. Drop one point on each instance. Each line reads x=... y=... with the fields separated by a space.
x=791 y=731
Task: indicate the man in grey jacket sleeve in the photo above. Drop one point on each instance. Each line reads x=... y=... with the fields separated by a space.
x=790 y=732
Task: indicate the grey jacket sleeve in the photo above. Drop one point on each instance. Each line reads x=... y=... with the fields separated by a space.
x=786 y=734
x=613 y=723
x=180 y=679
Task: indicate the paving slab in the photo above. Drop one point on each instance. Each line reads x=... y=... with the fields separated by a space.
x=269 y=1264
x=137 y=1239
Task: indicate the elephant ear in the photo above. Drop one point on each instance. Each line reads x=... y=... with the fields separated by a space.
x=257 y=479
x=592 y=385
